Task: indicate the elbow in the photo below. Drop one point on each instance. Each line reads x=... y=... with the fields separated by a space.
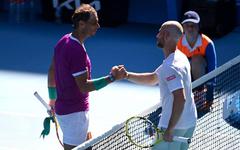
x=83 y=89
x=82 y=85
x=184 y=101
x=154 y=83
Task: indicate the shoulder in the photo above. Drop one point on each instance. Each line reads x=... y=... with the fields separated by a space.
x=70 y=46
x=65 y=38
x=62 y=40
x=180 y=39
x=180 y=57
x=179 y=61
x=172 y=61
x=74 y=44
x=67 y=41
x=205 y=37
x=174 y=58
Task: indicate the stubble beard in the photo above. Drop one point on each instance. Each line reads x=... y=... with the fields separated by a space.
x=159 y=44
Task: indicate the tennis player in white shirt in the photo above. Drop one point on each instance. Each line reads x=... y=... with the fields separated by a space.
x=173 y=76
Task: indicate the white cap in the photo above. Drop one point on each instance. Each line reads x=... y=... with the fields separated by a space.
x=191 y=16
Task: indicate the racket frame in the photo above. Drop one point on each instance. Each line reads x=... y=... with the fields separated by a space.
x=158 y=134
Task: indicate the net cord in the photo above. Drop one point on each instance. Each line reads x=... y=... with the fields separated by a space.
x=216 y=72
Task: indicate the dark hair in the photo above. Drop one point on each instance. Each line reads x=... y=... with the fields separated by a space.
x=82 y=13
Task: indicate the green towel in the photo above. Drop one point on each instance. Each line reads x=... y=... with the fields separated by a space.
x=46 y=125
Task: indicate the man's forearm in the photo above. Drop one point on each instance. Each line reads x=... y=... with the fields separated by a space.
x=142 y=78
x=51 y=85
x=51 y=75
x=176 y=114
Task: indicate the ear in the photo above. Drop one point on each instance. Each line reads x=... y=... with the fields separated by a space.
x=166 y=35
x=81 y=23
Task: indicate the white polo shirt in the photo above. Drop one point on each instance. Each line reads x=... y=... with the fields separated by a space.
x=174 y=74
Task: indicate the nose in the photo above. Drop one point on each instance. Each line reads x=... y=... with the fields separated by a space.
x=98 y=25
x=157 y=36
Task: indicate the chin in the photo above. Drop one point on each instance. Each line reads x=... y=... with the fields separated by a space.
x=93 y=33
x=159 y=45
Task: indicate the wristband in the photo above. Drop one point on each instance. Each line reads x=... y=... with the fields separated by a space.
x=52 y=93
x=100 y=83
x=111 y=77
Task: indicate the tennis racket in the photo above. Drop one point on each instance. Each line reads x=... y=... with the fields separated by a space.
x=43 y=103
x=143 y=133
x=50 y=114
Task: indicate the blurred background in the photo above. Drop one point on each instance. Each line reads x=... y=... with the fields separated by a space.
x=29 y=30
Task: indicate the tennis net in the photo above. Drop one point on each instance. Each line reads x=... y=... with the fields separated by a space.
x=217 y=96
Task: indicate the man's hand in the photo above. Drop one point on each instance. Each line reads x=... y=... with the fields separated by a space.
x=119 y=72
x=52 y=105
x=168 y=135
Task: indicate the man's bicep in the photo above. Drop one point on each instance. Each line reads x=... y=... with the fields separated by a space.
x=77 y=61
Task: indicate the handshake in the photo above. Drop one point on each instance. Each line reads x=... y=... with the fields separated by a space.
x=119 y=72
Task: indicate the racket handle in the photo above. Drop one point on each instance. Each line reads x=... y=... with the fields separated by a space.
x=182 y=139
x=42 y=101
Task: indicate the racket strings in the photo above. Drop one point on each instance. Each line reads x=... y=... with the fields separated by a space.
x=142 y=132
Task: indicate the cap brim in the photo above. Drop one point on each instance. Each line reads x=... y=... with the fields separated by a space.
x=190 y=20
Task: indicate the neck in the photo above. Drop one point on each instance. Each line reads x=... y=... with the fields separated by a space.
x=192 y=40
x=167 y=50
x=78 y=35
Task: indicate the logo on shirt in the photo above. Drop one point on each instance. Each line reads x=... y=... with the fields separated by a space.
x=171 y=77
